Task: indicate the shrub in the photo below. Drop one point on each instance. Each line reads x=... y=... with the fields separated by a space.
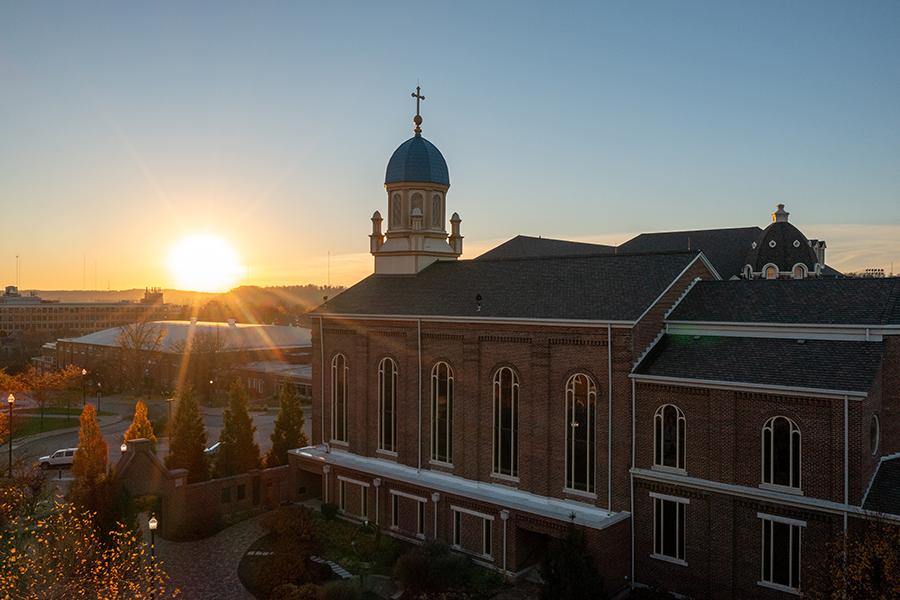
x=329 y=511
x=294 y=531
x=432 y=568
x=341 y=590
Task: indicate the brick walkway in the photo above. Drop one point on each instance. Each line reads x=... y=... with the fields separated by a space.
x=207 y=569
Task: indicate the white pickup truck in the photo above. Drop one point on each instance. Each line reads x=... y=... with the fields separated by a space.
x=60 y=458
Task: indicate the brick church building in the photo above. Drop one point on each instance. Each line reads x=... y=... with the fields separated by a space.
x=713 y=408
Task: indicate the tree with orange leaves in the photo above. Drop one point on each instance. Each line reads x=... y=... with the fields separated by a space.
x=40 y=384
x=90 y=489
x=140 y=428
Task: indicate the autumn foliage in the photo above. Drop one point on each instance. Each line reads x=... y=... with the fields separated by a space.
x=872 y=565
x=140 y=428
x=90 y=461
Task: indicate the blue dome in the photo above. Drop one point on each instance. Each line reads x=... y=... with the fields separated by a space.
x=417 y=159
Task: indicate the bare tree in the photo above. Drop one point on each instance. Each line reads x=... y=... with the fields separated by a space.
x=138 y=342
x=202 y=364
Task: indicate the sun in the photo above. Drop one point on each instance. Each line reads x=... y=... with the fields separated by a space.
x=204 y=262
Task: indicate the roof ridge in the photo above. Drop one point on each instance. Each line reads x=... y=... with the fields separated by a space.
x=570 y=256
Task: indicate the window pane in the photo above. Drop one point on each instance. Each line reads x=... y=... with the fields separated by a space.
x=782 y=450
x=680 y=540
x=767 y=455
x=767 y=550
x=486 y=547
x=657 y=524
x=795 y=556
x=670 y=433
x=670 y=524
x=781 y=539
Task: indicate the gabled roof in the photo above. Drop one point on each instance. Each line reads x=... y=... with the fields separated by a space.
x=600 y=287
x=524 y=246
x=884 y=493
x=838 y=366
x=726 y=249
x=806 y=301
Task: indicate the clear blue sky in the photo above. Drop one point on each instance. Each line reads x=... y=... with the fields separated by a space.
x=122 y=127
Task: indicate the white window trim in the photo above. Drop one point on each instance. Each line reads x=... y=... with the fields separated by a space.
x=439 y=463
x=487 y=525
x=384 y=452
x=407 y=495
x=668 y=559
x=421 y=507
x=382 y=402
x=581 y=493
x=786 y=521
x=679 y=417
x=780 y=519
x=334 y=399
x=805 y=271
x=764 y=271
x=353 y=481
x=678 y=499
x=784 y=489
x=469 y=511
x=395 y=512
x=770 y=424
x=514 y=441
x=449 y=432
x=877 y=421
x=679 y=535
x=591 y=425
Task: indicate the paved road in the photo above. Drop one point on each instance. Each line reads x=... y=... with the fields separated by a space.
x=113 y=432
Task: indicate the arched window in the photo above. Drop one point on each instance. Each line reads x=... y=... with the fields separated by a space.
x=781 y=452
x=506 y=422
x=442 y=413
x=339 y=370
x=396 y=212
x=748 y=272
x=416 y=202
x=770 y=271
x=436 y=213
x=668 y=437
x=799 y=271
x=581 y=409
x=387 y=404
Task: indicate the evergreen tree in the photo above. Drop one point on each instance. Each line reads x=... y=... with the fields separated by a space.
x=239 y=452
x=188 y=440
x=141 y=428
x=288 y=432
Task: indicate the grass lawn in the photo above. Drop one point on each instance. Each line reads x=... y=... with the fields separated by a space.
x=337 y=537
x=28 y=421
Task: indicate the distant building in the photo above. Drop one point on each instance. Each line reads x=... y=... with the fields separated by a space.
x=265 y=378
x=31 y=313
x=200 y=353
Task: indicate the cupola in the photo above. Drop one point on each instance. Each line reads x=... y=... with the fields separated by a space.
x=782 y=252
x=416 y=181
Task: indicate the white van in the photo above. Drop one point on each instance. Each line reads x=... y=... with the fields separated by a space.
x=60 y=458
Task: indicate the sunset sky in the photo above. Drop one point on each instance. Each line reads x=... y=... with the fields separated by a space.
x=125 y=128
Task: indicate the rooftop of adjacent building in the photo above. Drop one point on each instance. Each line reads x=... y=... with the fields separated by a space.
x=280 y=368
x=232 y=336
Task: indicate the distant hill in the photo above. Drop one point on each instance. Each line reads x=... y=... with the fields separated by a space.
x=281 y=305
x=133 y=295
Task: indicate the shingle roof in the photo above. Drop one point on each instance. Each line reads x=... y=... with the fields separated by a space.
x=809 y=301
x=417 y=159
x=726 y=249
x=818 y=364
x=781 y=244
x=600 y=287
x=884 y=494
x=524 y=246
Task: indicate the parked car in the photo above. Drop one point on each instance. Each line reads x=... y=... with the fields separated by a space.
x=213 y=450
x=60 y=458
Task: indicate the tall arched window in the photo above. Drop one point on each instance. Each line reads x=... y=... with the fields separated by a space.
x=581 y=408
x=396 y=212
x=339 y=371
x=668 y=437
x=442 y=413
x=506 y=422
x=387 y=404
x=436 y=212
x=781 y=452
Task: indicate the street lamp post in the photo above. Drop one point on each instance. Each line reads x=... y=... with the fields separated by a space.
x=169 y=420
x=152 y=524
x=10 y=400
x=98 y=398
x=83 y=391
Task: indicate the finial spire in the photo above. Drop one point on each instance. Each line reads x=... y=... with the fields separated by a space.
x=418 y=118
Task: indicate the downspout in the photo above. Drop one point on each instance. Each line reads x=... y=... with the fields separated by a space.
x=322 y=373
x=632 y=479
x=504 y=516
x=419 y=337
x=609 y=419
x=846 y=483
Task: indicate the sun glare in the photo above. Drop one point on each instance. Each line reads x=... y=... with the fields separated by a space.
x=205 y=263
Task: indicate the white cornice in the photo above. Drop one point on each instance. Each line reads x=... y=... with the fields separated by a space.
x=784 y=390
